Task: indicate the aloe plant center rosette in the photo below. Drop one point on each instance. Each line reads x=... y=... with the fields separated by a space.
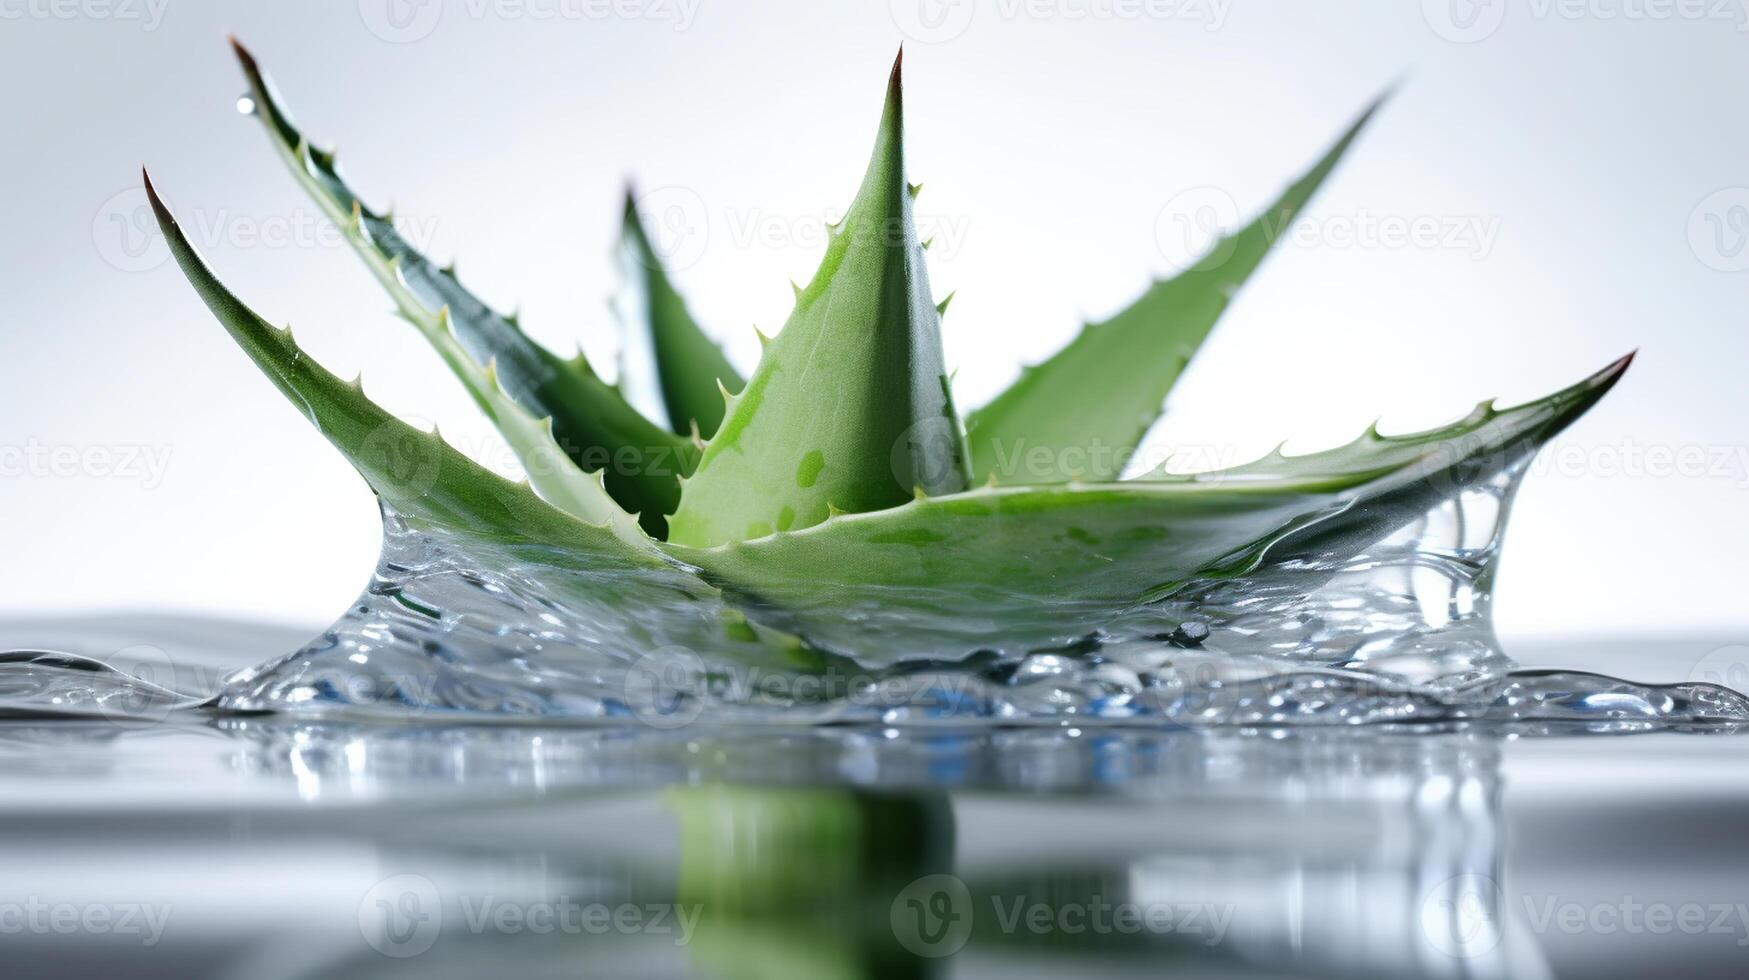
x=828 y=538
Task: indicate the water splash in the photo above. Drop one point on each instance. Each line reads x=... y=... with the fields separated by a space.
x=37 y=683
x=452 y=626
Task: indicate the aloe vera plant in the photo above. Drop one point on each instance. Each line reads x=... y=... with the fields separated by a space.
x=834 y=495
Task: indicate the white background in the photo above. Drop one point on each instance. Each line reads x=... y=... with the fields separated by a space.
x=1592 y=142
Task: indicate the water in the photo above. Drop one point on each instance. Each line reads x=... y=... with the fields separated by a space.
x=279 y=847
x=1347 y=776
x=508 y=760
x=477 y=771
x=456 y=627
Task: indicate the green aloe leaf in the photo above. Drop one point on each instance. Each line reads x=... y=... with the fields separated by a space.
x=1081 y=413
x=849 y=409
x=417 y=473
x=597 y=429
x=1410 y=473
x=691 y=371
x=831 y=505
x=942 y=576
x=1046 y=564
x=612 y=572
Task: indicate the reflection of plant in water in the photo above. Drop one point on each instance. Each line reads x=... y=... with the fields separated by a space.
x=798 y=882
x=836 y=494
x=795 y=882
x=838 y=883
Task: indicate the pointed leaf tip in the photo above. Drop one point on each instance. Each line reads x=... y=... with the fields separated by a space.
x=1116 y=389
x=895 y=90
x=1599 y=384
x=158 y=208
x=687 y=363
x=242 y=53
x=452 y=491
x=1619 y=366
x=587 y=412
x=869 y=415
